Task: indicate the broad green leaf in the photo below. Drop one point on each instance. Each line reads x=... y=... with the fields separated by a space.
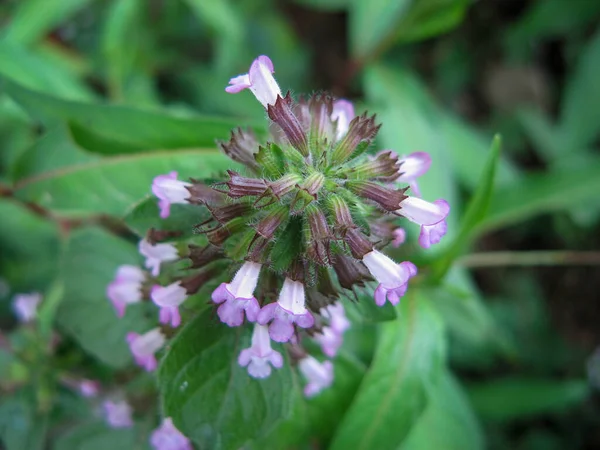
x=213 y=400
x=475 y=212
x=448 y=421
x=134 y=129
x=516 y=397
x=98 y=436
x=21 y=427
x=393 y=393
x=539 y=193
x=33 y=19
x=88 y=265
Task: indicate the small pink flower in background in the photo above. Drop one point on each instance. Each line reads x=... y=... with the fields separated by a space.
x=126 y=288
x=411 y=168
x=237 y=297
x=26 y=305
x=331 y=337
x=169 y=191
x=330 y=341
x=343 y=112
x=260 y=356
x=399 y=236
x=89 y=388
x=393 y=278
x=318 y=375
x=168 y=298
x=144 y=346
x=117 y=414
x=259 y=80
x=167 y=437
x=157 y=254
x=290 y=308
x=336 y=315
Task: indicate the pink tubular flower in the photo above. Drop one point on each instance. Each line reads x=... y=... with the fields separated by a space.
x=337 y=317
x=89 y=388
x=259 y=80
x=157 y=254
x=289 y=309
x=431 y=217
x=168 y=298
x=330 y=341
x=319 y=375
x=343 y=112
x=118 y=414
x=167 y=437
x=399 y=236
x=25 y=306
x=260 y=356
x=393 y=278
x=126 y=288
x=412 y=167
x=238 y=296
x=432 y=234
x=143 y=347
x=169 y=190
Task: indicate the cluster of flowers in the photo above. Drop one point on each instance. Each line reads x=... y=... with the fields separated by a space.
x=308 y=219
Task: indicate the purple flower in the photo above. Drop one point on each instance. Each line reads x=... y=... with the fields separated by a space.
x=393 y=278
x=259 y=80
x=118 y=414
x=431 y=217
x=157 y=254
x=412 y=167
x=343 y=112
x=337 y=317
x=399 y=236
x=89 y=388
x=260 y=356
x=25 y=306
x=126 y=288
x=238 y=296
x=168 y=298
x=432 y=234
x=167 y=437
x=169 y=190
x=319 y=375
x=143 y=347
x=289 y=309
x=330 y=341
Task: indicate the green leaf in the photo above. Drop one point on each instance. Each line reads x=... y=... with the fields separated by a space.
x=366 y=309
x=98 y=436
x=88 y=265
x=555 y=190
x=516 y=397
x=475 y=212
x=48 y=309
x=21 y=427
x=134 y=129
x=393 y=393
x=448 y=421
x=213 y=400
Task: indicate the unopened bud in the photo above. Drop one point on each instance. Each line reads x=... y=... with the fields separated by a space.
x=361 y=129
x=358 y=243
x=385 y=167
x=388 y=199
x=350 y=273
x=242 y=147
x=282 y=114
x=239 y=186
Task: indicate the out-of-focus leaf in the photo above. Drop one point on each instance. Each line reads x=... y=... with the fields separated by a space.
x=448 y=421
x=21 y=427
x=36 y=72
x=514 y=398
x=541 y=133
x=578 y=125
x=368 y=311
x=393 y=393
x=538 y=193
x=89 y=263
x=98 y=436
x=48 y=309
x=211 y=399
x=475 y=212
x=32 y=19
x=325 y=5
x=378 y=23
x=136 y=130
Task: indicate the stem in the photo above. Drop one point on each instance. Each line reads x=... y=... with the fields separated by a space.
x=531 y=258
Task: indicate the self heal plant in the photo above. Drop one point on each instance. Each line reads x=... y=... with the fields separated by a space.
x=302 y=224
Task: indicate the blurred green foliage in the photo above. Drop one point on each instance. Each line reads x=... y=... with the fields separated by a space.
x=97 y=97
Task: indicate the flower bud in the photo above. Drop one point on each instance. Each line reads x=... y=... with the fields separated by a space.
x=384 y=167
x=388 y=199
x=281 y=113
x=239 y=186
x=361 y=129
x=242 y=147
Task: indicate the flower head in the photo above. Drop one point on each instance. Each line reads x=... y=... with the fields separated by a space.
x=126 y=288
x=168 y=298
x=167 y=437
x=118 y=414
x=237 y=297
x=259 y=80
x=25 y=306
x=289 y=309
x=170 y=190
x=144 y=346
x=157 y=254
x=260 y=356
x=318 y=375
x=393 y=278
